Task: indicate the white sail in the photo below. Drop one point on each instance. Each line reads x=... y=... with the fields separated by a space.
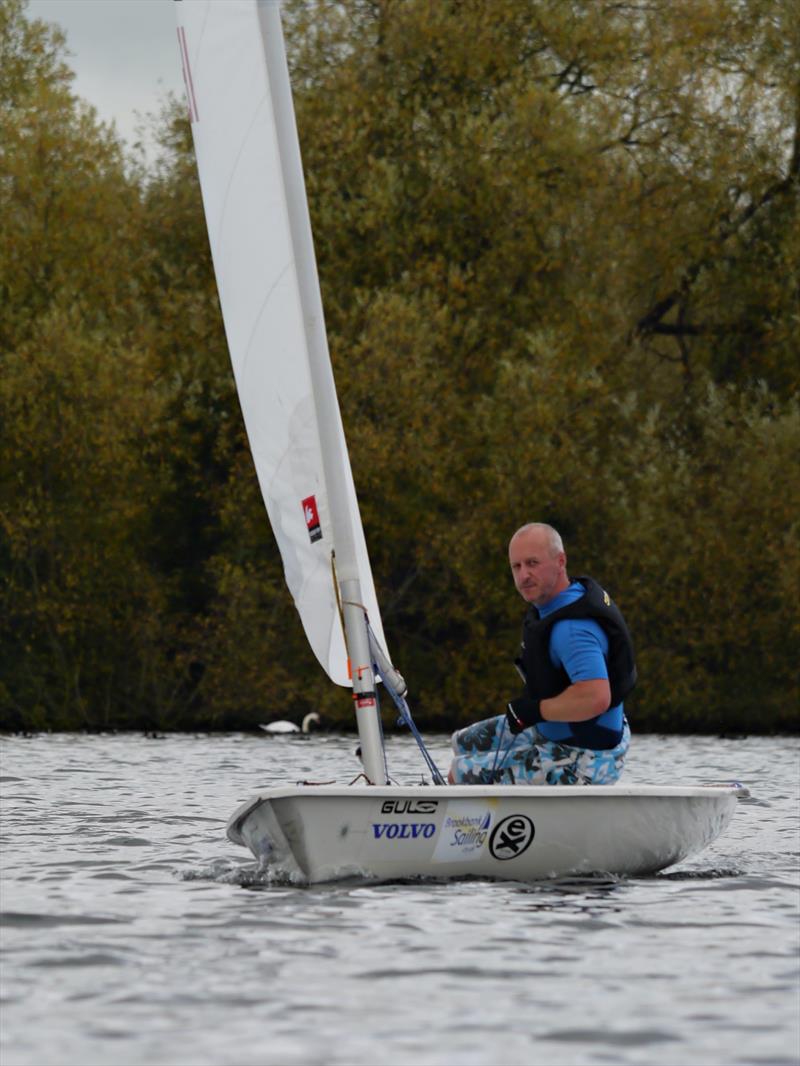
x=271 y=323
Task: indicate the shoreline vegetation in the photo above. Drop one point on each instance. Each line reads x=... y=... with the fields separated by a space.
x=348 y=728
x=559 y=249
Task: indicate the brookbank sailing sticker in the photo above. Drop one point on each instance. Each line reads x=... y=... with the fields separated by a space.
x=465 y=830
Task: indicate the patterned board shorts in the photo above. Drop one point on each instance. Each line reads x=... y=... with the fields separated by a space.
x=486 y=753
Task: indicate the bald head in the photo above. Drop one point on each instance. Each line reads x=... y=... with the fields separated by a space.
x=549 y=535
x=538 y=563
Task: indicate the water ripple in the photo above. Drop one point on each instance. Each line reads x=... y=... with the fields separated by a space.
x=133 y=932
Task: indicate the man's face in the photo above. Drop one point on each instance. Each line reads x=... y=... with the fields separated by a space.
x=538 y=574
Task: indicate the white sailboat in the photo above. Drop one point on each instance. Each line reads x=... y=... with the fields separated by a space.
x=248 y=158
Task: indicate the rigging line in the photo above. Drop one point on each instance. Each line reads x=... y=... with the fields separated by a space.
x=358 y=777
x=383 y=746
x=406 y=718
x=355 y=603
x=432 y=767
x=497 y=749
x=338 y=594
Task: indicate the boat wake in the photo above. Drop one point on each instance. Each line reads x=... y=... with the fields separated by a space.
x=245 y=875
x=712 y=873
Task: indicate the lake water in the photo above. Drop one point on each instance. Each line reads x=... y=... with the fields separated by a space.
x=133 y=932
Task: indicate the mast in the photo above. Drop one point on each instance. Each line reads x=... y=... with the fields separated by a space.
x=334 y=456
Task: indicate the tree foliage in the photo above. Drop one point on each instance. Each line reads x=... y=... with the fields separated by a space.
x=559 y=246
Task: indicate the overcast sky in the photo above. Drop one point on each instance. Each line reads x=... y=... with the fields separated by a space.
x=124 y=53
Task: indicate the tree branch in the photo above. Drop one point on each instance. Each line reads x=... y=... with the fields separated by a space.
x=651 y=321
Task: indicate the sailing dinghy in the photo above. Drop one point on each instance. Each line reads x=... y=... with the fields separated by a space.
x=248 y=158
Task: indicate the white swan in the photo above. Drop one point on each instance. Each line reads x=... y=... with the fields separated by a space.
x=276 y=728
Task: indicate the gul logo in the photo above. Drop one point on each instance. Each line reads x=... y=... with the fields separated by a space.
x=511 y=837
x=311 y=515
x=403 y=830
x=409 y=806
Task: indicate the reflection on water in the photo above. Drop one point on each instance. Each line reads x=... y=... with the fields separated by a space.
x=133 y=932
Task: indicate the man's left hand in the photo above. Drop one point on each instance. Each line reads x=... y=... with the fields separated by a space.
x=522 y=713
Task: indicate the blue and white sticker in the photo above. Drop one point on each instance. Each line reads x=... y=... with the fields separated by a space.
x=466 y=826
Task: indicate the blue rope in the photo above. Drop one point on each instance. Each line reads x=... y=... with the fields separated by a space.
x=406 y=719
x=497 y=749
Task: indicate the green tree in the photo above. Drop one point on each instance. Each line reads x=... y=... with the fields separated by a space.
x=82 y=622
x=82 y=613
x=558 y=245
x=538 y=228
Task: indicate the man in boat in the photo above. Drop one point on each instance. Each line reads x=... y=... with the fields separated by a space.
x=568 y=727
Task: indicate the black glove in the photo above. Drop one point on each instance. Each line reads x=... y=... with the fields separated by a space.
x=522 y=713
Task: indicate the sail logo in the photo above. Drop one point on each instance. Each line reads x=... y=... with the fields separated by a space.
x=311 y=515
x=406 y=806
x=403 y=830
x=511 y=836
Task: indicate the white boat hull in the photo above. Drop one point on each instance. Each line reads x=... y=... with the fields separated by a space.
x=310 y=834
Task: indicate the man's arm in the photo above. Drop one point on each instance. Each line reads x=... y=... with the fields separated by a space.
x=581 y=701
x=580 y=646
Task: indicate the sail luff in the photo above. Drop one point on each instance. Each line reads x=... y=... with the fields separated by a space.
x=334 y=449
x=334 y=452
x=243 y=128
